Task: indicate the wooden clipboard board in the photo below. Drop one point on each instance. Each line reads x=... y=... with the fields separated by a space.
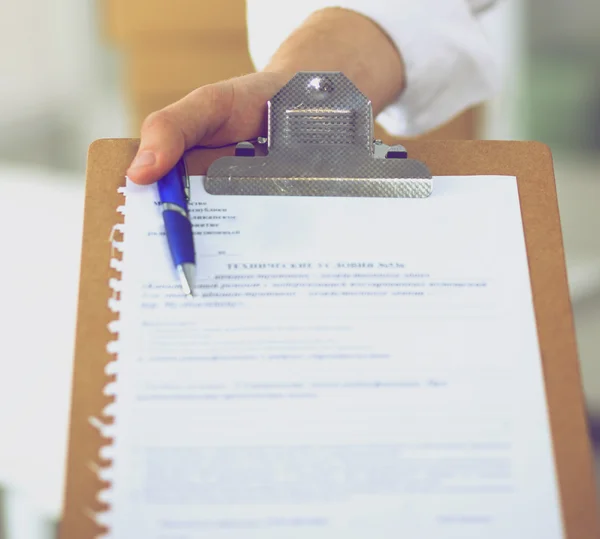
x=530 y=162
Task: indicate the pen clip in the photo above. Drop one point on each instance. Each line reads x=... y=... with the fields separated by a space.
x=182 y=169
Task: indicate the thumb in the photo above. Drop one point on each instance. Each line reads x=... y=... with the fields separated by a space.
x=212 y=115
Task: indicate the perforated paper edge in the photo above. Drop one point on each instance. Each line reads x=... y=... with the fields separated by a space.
x=105 y=423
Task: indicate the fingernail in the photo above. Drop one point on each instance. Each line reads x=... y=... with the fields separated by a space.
x=143 y=159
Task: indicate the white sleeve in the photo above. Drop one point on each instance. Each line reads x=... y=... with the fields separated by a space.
x=450 y=62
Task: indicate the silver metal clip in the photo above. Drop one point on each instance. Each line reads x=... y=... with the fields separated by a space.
x=183 y=172
x=320 y=143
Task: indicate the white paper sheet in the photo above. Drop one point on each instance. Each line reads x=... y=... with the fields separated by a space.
x=349 y=368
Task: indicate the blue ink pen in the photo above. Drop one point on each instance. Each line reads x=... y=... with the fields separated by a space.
x=174 y=194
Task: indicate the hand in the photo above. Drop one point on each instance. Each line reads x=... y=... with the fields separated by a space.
x=212 y=115
x=331 y=39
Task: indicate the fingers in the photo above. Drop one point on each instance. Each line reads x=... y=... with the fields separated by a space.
x=216 y=114
x=162 y=144
x=166 y=134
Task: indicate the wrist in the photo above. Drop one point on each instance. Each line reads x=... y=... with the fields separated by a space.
x=336 y=39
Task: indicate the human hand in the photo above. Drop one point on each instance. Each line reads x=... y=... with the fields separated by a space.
x=331 y=39
x=214 y=115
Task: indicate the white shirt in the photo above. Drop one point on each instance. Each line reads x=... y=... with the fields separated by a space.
x=451 y=64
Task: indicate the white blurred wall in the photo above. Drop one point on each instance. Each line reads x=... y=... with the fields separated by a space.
x=503 y=118
x=46 y=55
x=57 y=91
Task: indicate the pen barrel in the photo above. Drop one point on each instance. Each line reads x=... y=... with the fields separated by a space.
x=176 y=217
x=179 y=236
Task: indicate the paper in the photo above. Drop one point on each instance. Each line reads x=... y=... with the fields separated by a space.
x=349 y=368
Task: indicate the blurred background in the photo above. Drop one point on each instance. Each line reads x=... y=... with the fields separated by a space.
x=73 y=71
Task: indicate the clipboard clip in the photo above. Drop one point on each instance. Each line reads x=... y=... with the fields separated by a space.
x=319 y=143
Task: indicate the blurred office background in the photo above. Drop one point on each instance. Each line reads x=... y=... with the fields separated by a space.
x=73 y=71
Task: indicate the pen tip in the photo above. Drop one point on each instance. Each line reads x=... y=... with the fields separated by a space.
x=186 y=277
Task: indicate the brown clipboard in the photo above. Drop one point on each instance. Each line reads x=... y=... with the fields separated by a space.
x=530 y=162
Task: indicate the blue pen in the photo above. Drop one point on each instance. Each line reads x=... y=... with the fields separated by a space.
x=174 y=194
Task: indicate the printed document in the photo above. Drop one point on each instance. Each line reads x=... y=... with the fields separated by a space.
x=352 y=368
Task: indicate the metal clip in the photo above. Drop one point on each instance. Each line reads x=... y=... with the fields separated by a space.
x=182 y=170
x=320 y=143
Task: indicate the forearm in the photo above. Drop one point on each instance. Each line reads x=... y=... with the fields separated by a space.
x=335 y=39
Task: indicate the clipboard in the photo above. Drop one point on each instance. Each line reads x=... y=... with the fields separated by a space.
x=530 y=162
